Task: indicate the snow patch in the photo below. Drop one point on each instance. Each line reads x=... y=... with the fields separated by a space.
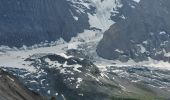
x=79 y=80
x=120 y=51
x=142 y=49
x=137 y=1
x=101 y=19
x=52 y=64
x=162 y=33
x=145 y=42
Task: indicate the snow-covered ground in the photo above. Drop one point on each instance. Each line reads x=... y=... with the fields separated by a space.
x=102 y=63
x=137 y=1
x=13 y=57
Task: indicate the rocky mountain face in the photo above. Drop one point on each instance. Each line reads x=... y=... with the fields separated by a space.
x=31 y=22
x=12 y=89
x=72 y=70
x=143 y=33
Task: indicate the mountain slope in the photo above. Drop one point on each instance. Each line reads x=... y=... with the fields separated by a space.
x=143 y=33
x=72 y=70
x=72 y=78
x=31 y=22
x=12 y=89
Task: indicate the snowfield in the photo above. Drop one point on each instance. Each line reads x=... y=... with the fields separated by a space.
x=13 y=57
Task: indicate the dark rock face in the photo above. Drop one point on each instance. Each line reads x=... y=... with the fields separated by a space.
x=143 y=33
x=30 y=22
x=12 y=89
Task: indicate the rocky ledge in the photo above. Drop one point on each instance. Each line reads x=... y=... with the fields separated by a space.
x=12 y=89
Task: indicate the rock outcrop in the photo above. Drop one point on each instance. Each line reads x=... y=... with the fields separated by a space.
x=31 y=22
x=12 y=89
x=144 y=32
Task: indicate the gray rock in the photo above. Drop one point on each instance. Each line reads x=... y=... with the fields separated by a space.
x=143 y=33
x=30 y=22
x=12 y=89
